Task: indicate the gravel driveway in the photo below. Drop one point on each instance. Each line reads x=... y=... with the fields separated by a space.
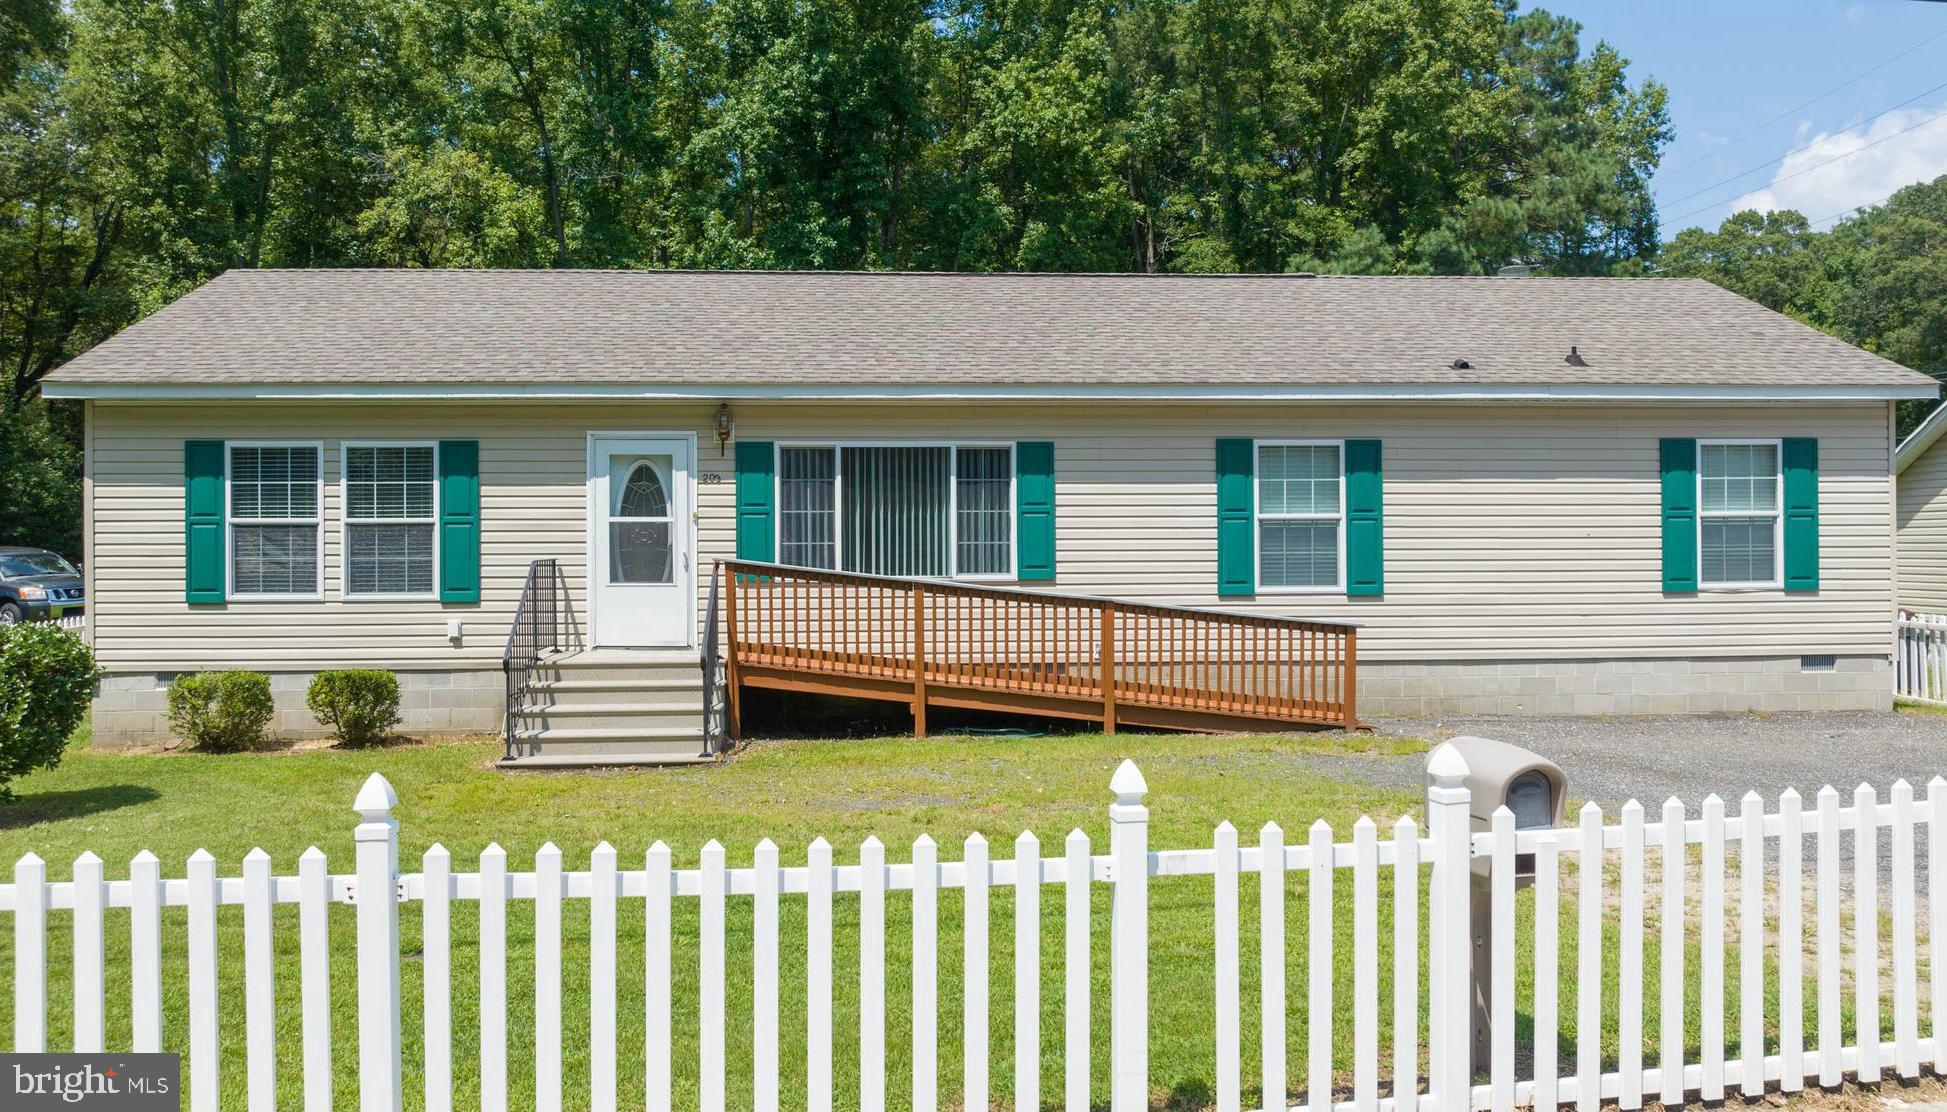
x=1651 y=758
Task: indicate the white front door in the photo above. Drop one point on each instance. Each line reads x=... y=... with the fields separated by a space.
x=639 y=577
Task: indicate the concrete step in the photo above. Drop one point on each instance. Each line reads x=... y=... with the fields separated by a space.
x=610 y=745
x=567 y=761
x=614 y=666
x=580 y=691
x=684 y=713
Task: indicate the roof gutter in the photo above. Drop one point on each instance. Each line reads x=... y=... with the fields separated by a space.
x=866 y=392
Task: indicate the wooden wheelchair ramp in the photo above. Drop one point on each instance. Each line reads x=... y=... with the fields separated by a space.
x=929 y=643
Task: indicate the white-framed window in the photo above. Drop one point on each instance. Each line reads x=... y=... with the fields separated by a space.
x=1300 y=515
x=276 y=497
x=932 y=510
x=388 y=519
x=1739 y=488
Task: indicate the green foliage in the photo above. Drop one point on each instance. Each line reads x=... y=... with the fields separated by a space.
x=1874 y=280
x=47 y=675
x=222 y=712
x=40 y=477
x=361 y=705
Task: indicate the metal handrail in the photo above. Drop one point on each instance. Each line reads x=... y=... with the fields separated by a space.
x=716 y=721
x=544 y=625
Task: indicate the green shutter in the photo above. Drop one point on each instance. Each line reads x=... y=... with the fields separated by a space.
x=1679 y=465
x=459 y=521
x=1034 y=508
x=1236 y=529
x=1365 y=571
x=756 y=487
x=1801 y=465
x=205 y=576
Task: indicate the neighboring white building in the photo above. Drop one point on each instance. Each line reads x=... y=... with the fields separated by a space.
x=1921 y=466
x=1533 y=495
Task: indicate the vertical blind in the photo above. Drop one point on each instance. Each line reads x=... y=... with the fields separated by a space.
x=918 y=510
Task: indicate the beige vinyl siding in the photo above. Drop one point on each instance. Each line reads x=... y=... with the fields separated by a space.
x=1922 y=524
x=1512 y=531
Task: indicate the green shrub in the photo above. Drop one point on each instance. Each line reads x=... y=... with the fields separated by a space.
x=221 y=711
x=47 y=675
x=361 y=705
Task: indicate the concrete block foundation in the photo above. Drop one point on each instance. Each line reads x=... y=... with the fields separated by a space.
x=132 y=709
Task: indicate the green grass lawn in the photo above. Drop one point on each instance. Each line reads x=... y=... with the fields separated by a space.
x=791 y=792
x=896 y=788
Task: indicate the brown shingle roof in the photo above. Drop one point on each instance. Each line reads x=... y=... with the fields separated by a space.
x=800 y=329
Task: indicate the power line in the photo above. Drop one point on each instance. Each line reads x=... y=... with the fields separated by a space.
x=1855 y=79
x=1797 y=150
x=1855 y=208
x=1822 y=165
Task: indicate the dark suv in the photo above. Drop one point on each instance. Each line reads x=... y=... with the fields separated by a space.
x=36 y=584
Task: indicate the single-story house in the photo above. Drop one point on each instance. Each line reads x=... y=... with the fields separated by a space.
x=1521 y=495
x=1920 y=464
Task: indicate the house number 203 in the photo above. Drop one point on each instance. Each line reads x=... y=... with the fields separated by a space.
x=707 y=477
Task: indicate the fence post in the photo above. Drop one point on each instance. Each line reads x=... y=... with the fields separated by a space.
x=1450 y=1040
x=376 y=841
x=1129 y=943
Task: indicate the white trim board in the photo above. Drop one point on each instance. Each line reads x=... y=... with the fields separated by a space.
x=891 y=392
x=1920 y=439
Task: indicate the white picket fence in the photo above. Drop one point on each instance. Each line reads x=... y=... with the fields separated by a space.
x=1392 y=865
x=1920 y=657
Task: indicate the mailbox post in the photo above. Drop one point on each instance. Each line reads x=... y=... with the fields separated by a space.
x=1534 y=788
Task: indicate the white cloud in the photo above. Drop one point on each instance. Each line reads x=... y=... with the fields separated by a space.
x=1889 y=155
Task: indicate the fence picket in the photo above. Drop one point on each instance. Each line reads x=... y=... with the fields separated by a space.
x=145 y=955
x=1318 y=970
x=1669 y=1027
x=90 y=991
x=1936 y=915
x=1828 y=938
x=204 y=1078
x=1710 y=946
x=30 y=955
x=601 y=978
x=711 y=1062
x=1906 y=976
x=1365 y=965
x=1547 y=993
x=1075 y=960
x=764 y=990
x=547 y=978
x=1588 y=980
x=1629 y=937
x=1791 y=942
x=1271 y=968
x=1865 y=929
x=493 y=979
x=974 y=974
x=314 y=984
x=1500 y=957
x=1406 y=964
x=259 y=986
x=657 y=973
x=1229 y=1033
x=1750 y=945
x=1027 y=972
x=435 y=976
x=818 y=977
x=926 y=990
x=872 y=975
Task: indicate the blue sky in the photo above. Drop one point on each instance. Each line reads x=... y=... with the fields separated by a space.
x=1735 y=67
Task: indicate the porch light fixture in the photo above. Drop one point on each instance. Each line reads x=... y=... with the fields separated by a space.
x=724 y=426
x=1574 y=358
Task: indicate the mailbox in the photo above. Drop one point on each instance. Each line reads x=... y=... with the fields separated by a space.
x=1527 y=783
x=1531 y=786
